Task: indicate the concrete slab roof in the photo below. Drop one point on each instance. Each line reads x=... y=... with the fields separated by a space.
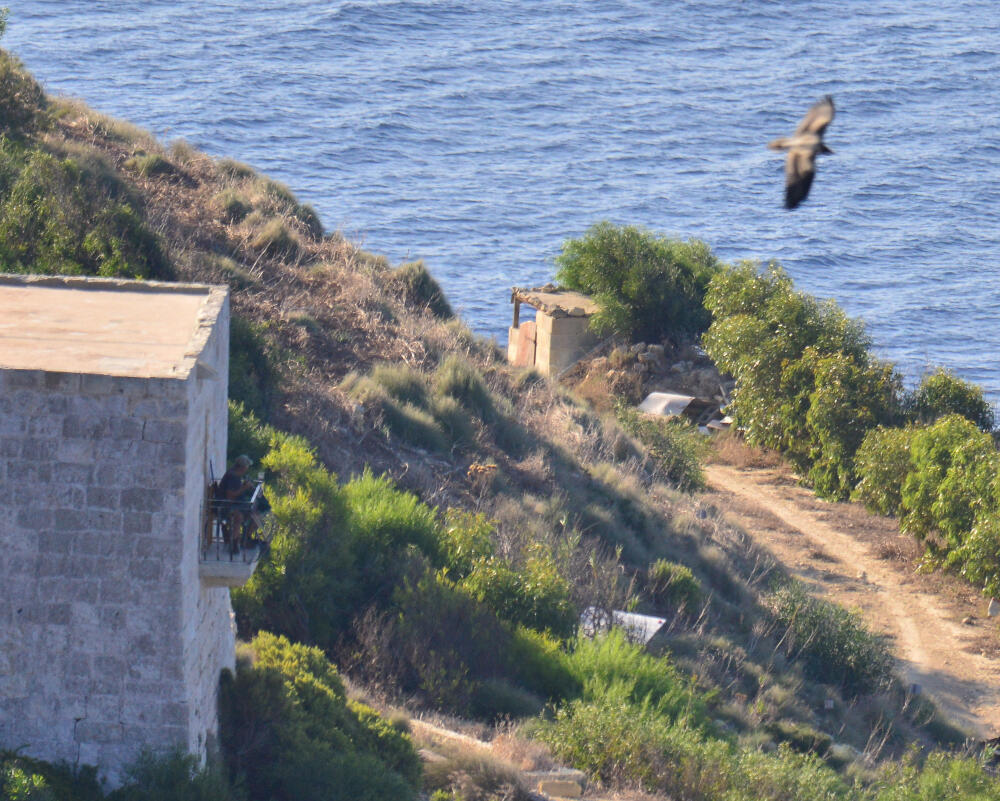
x=105 y=326
x=556 y=301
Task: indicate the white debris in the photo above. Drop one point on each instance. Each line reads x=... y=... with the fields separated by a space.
x=640 y=628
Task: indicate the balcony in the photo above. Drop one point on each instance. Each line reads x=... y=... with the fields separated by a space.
x=226 y=560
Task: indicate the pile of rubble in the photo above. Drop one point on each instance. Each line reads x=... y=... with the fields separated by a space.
x=635 y=371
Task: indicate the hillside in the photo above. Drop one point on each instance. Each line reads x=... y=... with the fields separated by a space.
x=527 y=506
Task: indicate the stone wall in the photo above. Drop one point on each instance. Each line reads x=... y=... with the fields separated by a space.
x=108 y=642
x=90 y=519
x=207 y=627
x=561 y=341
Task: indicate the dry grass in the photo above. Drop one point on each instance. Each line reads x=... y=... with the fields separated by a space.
x=729 y=448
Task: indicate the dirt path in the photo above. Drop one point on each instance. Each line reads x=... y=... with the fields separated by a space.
x=846 y=556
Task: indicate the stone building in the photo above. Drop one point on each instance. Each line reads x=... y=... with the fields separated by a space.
x=113 y=410
x=559 y=335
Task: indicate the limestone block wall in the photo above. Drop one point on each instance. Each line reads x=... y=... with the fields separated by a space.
x=90 y=519
x=207 y=629
x=109 y=644
x=561 y=341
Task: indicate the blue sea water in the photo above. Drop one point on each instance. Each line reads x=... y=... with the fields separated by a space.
x=480 y=135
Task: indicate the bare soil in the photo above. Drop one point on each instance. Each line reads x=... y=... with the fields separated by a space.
x=943 y=639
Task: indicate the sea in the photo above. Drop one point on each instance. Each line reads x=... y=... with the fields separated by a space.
x=480 y=136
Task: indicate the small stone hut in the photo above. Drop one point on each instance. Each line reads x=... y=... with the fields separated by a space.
x=559 y=335
x=113 y=412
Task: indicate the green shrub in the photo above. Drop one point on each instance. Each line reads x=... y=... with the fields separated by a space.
x=253 y=371
x=25 y=779
x=500 y=699
x=420 y=289
x=926 y=499
x=941 y=393
x=611 y=663
x=848 y=400
x=674 y=585
x=164 y=777
x=466 y=540
x=806 y=382
x=172 y=777
x=760 y=326
x=288 y=731
x=978 y=556
x=309 y=587
x=69 y=216
x=831 y=642
x=676 y=445
x=535 y=595
x=439 y=644
x=247 y=435
x=966 y=493
x=881 y=464
x=540 y=663
x=385 y=519
x=942 y=777
x=648 y=287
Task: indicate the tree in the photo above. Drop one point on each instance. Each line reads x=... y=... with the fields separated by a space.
x=942 y=392
x=649 y=287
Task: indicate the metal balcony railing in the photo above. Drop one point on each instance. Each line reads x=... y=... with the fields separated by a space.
x=235 y=535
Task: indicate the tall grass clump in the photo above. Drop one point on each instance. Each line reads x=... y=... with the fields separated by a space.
x=276 y=239
x=420 y=289
x=147 y=164
x=233 y=206
x=458 y=378
x=831 y=642
x=22 y=102
x=674 y=585
x=435 y=416
x=676 y=446
x=387 y=391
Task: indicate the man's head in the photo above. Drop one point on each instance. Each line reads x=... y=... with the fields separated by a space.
x=242 y=464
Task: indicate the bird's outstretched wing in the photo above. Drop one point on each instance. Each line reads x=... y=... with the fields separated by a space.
x=800 y=169
x=817 y=118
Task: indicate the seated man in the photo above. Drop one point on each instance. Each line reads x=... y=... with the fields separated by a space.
x=237 y=490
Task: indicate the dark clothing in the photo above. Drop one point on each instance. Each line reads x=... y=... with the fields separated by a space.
x=230 y=484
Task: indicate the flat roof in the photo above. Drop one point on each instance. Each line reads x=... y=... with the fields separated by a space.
x=105 y=326
x=555 y=300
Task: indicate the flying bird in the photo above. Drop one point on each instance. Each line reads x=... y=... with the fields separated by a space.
x=803 y=146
